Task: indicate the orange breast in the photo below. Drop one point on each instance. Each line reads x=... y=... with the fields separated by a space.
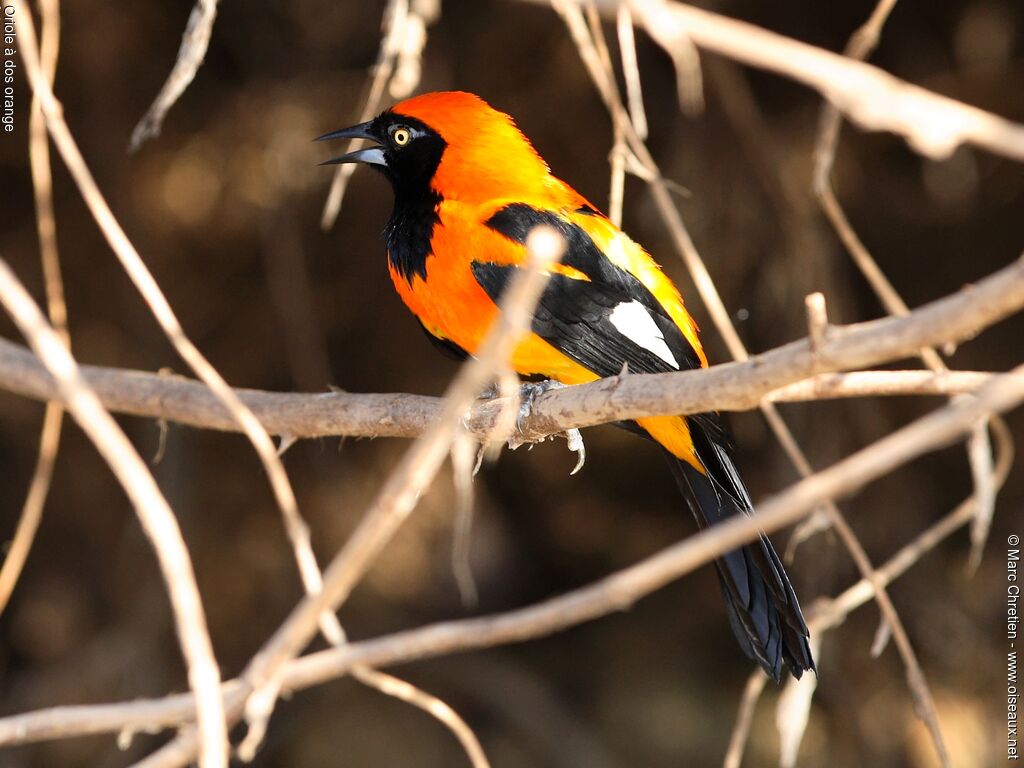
x=452 y=305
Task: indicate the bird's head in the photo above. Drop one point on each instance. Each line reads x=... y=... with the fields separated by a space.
x=452 y=144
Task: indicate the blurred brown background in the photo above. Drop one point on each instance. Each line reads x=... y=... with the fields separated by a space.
x=224 y=207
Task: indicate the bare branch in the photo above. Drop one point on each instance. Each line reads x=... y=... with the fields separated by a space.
x=147 y=286
x=613 y=593
x=156 y=516
x=393 y=23
x=744 y=717
x=46 y=227
x=398 y=498
x=730 y=386
x=631 y=69
x=398 y=63
x=859 y=47
x=194 y=43
x=831 y=613
x=334 y=414
x=817 y=319
x=830 y=386
x=979 y=456
x=433 y=706
x=921 y=692
x=934 y=125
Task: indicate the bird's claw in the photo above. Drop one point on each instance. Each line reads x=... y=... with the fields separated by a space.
x=528 y=393
x=574 y=440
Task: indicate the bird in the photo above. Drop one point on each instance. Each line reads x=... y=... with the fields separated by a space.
x=468 y=189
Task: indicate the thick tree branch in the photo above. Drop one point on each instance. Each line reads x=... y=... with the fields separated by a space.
x=731 y=386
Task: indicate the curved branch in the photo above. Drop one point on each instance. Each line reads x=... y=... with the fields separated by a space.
x=932 y=124
x=154 y=512
x=194 y=43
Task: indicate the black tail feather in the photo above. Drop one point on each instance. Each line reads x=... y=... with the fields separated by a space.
x=763 y=609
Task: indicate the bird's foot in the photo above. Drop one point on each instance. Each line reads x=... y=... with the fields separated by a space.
x=528 y=393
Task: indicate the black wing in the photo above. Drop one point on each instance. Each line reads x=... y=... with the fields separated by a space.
x=574 y=315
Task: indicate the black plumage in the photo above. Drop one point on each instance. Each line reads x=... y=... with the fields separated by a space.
x=574 y=316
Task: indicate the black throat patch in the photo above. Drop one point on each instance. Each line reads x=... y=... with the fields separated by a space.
x=410 y=169
x=408 y=232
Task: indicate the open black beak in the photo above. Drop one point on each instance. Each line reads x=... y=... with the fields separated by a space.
x=370 y=155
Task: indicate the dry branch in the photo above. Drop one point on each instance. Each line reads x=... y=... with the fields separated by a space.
x=194 y=43
x=744 y=718
x=399 y=495
x=146 y=284
x=828 y=614
x=156 y=516
x=934 y=125
x=730 y=386
x=338 y=414
x=616 y=592
x=56 y=309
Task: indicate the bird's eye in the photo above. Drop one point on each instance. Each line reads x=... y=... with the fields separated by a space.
x=401 y=136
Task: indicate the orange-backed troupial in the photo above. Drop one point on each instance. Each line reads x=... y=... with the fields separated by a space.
x=468 y=189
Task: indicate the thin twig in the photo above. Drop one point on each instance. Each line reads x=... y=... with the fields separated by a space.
x=817 y=319
x=398 y=63
x=979 y=457
x=56 y=308
x=744 y=718
x=916 y=680
x=191 y=403
x=631 y=70
x=859 y=47
x=260 y=705
x=147 y=285
x=395 y=14
x=831 y=613
x=156 y=516
x=191 y=53
x=433 y=706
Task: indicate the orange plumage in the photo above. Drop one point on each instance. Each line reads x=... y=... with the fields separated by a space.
x=487 y=165
x=468 y=188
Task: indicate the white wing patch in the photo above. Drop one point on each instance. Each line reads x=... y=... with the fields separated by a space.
x=633 y=321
